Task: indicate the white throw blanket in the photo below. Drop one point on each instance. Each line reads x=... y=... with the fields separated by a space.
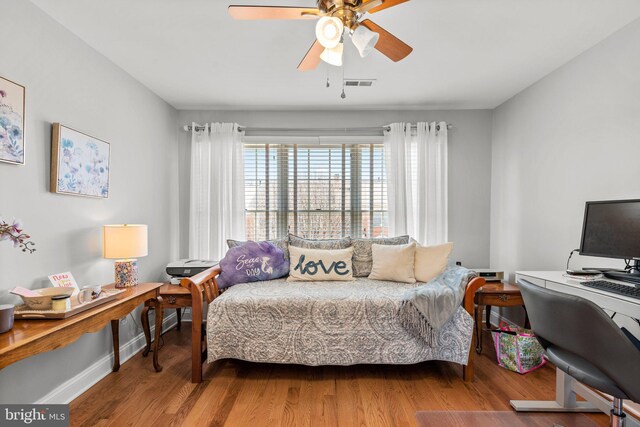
x=427 y=307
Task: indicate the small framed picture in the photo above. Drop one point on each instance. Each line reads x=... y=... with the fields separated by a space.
x=79 y=163
x=12 y=100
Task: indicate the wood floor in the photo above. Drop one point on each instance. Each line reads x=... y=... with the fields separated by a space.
x=236 y=393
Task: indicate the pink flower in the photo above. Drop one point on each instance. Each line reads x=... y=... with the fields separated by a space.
x=16 y=241
x=17 y=225
x=14 y=233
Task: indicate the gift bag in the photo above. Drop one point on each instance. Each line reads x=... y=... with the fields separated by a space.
x=517 y=349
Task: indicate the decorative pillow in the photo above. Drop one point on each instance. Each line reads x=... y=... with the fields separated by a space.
x=301 y=242
x=362 y=256
x=281 y=243
x=252 y=262
x=431 y=261
x=393 y=262
x=320 y=264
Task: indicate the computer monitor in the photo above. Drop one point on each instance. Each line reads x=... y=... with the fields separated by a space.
x=611 y=229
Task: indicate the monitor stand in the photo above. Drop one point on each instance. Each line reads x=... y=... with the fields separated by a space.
x=632 y=276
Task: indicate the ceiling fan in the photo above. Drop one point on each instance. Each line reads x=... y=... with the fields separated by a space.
x=334 y=17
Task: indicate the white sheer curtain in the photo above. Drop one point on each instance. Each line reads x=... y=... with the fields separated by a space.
x=216 y=211
x=417 y=181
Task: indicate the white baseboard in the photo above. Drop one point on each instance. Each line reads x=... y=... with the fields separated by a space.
x=80 y=383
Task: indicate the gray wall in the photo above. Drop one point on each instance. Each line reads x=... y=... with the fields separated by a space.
x=469 y=163
x=69 y=82
x=571 y=137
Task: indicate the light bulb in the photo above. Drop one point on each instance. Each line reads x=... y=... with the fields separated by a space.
x=329 y=31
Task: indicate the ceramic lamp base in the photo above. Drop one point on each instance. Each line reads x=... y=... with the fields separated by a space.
x=126 y=273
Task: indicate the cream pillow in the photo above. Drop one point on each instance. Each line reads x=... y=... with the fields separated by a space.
x=320 y=264
x=431 y=261
x=393 y=262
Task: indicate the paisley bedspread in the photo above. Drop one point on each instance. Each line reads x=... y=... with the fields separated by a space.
x=325 y=323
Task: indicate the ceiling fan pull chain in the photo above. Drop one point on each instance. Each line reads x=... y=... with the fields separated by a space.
x=343 y=95
x=327 y=70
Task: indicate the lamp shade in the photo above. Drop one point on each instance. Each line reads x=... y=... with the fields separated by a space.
x=329 y=31
x=333 y=56
x=123 y=241
x=364 y=40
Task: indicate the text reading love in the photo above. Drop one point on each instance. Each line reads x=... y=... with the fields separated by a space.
x=311 y=267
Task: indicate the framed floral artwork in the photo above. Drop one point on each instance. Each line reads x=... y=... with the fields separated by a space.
x=79 y=163
x=12 y=100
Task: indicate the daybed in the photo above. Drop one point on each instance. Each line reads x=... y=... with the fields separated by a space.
x=319 y=323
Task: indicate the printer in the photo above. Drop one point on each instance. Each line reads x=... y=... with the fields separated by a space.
x=187 y=268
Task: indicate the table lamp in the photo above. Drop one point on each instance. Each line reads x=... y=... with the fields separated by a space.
x=124 y=243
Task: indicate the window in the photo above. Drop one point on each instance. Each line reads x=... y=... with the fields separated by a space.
x=315 y=191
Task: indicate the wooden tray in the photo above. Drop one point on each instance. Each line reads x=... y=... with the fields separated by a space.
x=24 y=312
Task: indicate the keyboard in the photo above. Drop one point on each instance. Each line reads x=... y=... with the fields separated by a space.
x=614 y=288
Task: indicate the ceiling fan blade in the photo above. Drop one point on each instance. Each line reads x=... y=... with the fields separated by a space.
x=312 y=58
x=391 y=46
x=273 y=12
x=386 y=4
x=367 y=5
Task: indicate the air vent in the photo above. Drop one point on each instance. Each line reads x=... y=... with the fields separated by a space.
x=359 y=82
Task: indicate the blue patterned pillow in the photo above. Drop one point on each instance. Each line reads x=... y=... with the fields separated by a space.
x=363 y=254
x=301 y=242
x=252 y=262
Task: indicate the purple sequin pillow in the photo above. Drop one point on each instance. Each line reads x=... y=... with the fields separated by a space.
x=252 y=262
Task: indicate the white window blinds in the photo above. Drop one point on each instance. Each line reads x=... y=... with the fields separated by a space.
x=315 y=191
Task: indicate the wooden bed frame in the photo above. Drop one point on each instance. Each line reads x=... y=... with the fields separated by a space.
x=205 y=283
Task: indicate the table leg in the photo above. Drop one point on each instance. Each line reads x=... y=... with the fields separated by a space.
x=565 y=398
x=179 y=314
x=115 y=333
x=158 y=332
x=478 y=331
x=144 y=319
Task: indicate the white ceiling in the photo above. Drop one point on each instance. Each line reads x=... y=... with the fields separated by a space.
x=467 y=53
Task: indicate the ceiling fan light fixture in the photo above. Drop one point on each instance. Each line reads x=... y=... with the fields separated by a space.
x=364 y=40
x=333 y=56
x=329 y=31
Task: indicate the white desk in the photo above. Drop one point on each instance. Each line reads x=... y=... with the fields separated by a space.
x=567 y=387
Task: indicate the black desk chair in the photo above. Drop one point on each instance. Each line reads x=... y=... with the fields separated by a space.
x=580 y=339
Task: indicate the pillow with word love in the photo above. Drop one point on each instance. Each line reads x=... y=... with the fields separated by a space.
x=320 y=264
x=252 y=262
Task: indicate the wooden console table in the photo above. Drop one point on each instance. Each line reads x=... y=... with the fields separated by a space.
x=31 y=337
